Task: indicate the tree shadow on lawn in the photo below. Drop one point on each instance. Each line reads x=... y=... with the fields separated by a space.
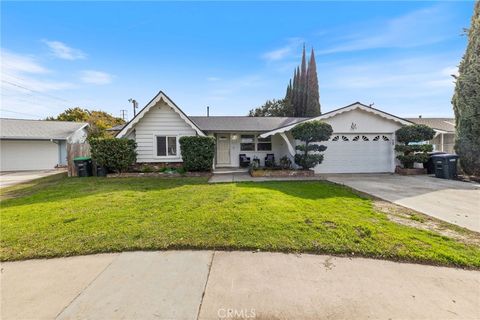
x=311 y=190
x=63 y=188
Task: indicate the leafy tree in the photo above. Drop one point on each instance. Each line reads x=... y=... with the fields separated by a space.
x=413 y=152
x=99 y=120
x=272 y=108
x=466 y=101
x=309 y=133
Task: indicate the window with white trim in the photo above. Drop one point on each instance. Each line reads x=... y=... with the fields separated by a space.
x=166 y=146
x=247 y=142
x=264 y=144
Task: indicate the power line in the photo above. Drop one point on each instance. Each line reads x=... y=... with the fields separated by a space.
x=32 y=90
x=23 y=113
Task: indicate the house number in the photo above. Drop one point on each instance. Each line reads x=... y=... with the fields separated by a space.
x=353 y=126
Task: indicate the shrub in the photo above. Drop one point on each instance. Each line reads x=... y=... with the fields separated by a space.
x=413 y=152
x=285 y=163
x=197 y=153
x=308 y=132
x=114 y=154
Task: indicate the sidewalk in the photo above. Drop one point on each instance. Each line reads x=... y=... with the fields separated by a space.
x=234 y=285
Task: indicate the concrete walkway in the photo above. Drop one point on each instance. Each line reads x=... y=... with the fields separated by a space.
x=448 y=200
x=16 y=177
x=234 y=285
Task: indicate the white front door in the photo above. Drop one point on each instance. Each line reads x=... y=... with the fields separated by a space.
x=223 y=148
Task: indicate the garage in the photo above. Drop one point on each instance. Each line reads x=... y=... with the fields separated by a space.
x=37 y=144
x=353 y=153
x=363 y=140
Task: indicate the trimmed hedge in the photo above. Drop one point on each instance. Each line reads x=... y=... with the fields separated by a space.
x=114 y=154
x=197 y=153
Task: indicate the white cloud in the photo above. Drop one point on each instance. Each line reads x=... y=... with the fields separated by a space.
x=213 y=79
x=15 y=63
x=285 y=51
x=96 y=77
x=417 y=28
x=62 y=51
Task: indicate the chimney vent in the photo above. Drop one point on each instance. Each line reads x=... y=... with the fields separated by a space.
x=208 y=111
x=420 y=116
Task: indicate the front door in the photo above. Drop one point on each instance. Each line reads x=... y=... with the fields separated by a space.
x=223 y=148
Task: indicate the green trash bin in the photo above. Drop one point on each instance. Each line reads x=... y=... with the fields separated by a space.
x=445 y=165
x=83 y=165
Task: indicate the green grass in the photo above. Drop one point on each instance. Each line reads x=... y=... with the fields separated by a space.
x=58 y=216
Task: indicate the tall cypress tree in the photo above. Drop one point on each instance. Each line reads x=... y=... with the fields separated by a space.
x=466 y=101
x=312 y=108
x=303 y=85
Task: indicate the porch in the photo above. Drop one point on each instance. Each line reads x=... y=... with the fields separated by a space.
x=231 y=145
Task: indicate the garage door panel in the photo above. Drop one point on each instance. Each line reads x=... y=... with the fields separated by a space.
x=360 y=156
x=17 y=155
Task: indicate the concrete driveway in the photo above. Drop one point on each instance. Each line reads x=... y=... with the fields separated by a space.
x=448 y=200
x=15 y=177
x=234 y=285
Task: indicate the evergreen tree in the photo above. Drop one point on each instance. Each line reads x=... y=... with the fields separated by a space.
x=312 y=108
x=466 y=101
x=302 y=101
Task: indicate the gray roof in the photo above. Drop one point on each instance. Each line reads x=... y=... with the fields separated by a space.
x=242 y=123
x=444 y=124
x=118 y=127
x=37 y=129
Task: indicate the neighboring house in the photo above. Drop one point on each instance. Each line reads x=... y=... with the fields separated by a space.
x=444 y=139
x=363 y=138
x=37 y=144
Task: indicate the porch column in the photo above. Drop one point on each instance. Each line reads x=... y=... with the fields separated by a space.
x=441 y=141
x=291 y=150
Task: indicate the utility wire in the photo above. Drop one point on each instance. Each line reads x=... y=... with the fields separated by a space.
x=32 y=90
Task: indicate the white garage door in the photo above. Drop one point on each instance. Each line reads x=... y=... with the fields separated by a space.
x=17 y=155
x=357 y=153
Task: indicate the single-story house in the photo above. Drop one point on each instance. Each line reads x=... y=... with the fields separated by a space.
x=363 y=137
x=444 y=139
x=37 y=144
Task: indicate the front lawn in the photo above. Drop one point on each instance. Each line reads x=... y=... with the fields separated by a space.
x=58 y=216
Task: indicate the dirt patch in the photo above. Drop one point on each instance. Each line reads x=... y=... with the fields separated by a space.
x=412 y=218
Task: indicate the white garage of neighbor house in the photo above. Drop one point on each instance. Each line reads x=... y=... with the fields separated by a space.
x=37 y=144
x=363 y=137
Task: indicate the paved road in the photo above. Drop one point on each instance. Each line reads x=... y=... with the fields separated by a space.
x=448 y=200
x=15 y=177
x=234 y=285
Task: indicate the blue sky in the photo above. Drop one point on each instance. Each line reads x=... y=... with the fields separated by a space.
x=230 y=56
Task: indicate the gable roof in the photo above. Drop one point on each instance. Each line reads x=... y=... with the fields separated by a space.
x=160 y=96
x=243 y=123
x=330 y=114
x=23 y=129
x=441 y=124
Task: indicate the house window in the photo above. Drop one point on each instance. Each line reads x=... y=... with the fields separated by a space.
x=247 y=142
x=166 y=146
x=264 y=144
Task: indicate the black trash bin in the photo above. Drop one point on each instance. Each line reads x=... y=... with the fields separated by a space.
x=445 y=165
x=429 y=165
x=101 y=171
x=83 y=166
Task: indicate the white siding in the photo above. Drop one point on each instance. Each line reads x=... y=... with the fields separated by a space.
x=17 y=155
x=160 y=120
